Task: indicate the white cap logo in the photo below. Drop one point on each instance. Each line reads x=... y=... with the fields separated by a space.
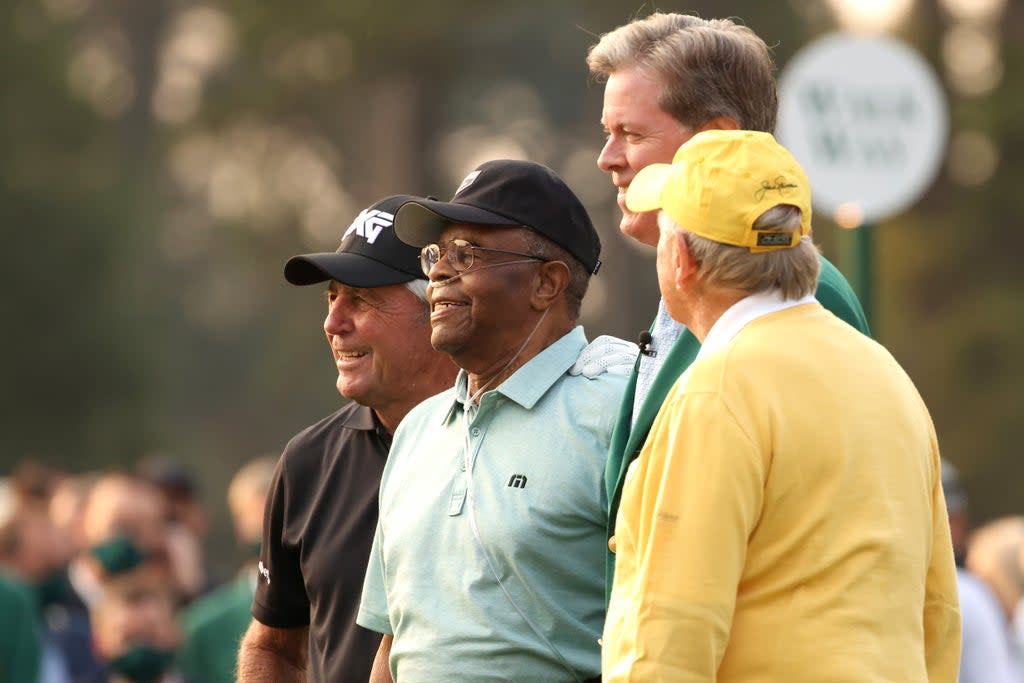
x=369 y=223
x=467 y=182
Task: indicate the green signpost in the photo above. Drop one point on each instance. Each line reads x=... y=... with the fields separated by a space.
x=858 y=263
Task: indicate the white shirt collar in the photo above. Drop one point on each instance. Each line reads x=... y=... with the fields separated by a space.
x=743 y=312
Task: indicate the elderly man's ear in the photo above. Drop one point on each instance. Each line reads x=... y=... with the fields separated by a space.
x=551 y=280
x=685 y=265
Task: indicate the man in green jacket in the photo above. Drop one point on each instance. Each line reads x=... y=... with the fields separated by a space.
x=667 y=78
x=215 y=623
x=20 y=649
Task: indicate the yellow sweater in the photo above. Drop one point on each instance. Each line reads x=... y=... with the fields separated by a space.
x=784 y=522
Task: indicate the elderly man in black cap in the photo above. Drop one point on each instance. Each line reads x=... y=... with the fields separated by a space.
x=488 y=559
x=322 y=506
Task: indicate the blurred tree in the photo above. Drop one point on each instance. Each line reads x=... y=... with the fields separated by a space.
x=77 y=381
x=163 y=158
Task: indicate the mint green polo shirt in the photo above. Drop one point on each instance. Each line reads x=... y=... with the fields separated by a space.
x=536 y=497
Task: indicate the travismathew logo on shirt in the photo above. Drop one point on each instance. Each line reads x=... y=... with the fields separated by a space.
x=369 y=223
x=518 y=481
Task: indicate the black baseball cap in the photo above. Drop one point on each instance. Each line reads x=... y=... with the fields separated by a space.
x=507 y=193
x=169 y=475
x=370 y=255
x=953 y=488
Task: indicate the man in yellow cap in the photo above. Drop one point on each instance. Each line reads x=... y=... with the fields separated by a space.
x=785 y=519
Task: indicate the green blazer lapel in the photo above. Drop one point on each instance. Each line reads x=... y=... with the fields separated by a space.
x=680 y=356
x=682 y=353
x=620 y=434
x=627 y=439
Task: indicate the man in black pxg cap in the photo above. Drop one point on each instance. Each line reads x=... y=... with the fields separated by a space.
x=322 y=505
x=488 y=559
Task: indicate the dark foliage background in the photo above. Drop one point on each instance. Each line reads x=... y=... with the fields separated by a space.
x=161 y=159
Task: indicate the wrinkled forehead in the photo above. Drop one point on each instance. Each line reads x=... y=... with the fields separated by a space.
x=633 y=91
x=370 y=293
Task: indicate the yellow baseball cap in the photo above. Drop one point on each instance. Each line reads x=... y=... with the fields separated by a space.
x=720 y=182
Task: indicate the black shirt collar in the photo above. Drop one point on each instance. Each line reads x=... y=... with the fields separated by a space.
x=362 y=418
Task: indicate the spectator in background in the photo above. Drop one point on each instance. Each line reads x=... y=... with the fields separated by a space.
x=994 y=556
x=186 y=521
x=35 y=482
x=985 y=650
x=991 y=556
x=121 y=505
x=34 y=552
x=33 y=548
x=322 y=507
x=135 y=632
x=118 y=506
x=20 y=647
x=214 y=624
x=67 y=508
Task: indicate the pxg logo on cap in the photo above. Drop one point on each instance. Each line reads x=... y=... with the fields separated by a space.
x=370 y=253
x=369 y=223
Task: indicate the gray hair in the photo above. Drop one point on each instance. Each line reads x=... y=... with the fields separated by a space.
x=792 y=271
x=418 y=287
x=708 y=67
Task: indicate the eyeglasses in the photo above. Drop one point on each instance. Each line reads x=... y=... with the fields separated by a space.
x=460 y=255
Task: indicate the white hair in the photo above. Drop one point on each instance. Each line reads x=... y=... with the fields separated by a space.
x=418 y=287
x=792 y=271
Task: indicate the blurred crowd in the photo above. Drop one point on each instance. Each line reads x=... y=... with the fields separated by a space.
x=103 y=576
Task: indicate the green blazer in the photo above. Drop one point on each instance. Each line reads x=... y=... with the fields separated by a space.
x=20 y=646
x=834 y=293
x=213 y=626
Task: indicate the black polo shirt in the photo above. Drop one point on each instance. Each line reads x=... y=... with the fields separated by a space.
x=318 y=529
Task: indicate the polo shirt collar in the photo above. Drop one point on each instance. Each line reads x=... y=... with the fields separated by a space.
x=744 y=312
x=530 y=382
x=359 y=417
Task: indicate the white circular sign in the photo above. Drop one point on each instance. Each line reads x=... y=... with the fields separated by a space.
x=866 y=117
